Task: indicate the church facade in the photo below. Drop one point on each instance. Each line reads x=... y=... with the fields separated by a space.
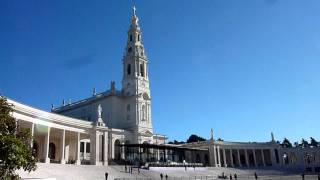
x=128 y=108
x=116 y=125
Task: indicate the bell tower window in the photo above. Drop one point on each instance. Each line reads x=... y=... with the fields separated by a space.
x=142 y=70
x=138 y=37
x=130 y=49
x=130 y=38
x=129 y=69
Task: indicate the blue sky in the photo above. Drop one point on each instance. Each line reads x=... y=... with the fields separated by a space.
x=244 y=68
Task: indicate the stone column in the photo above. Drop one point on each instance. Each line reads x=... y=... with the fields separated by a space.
x=212 y=153
x=84 y=150
x=239 y=160
x=215 y=156
x=122 y=151
x=78 y=162
x=254 y=157
x=219 y=160
x=262 y=157
x=224 y=158
x=32 y=135
x=105 y=148
x=46 y=146
x=231 y=158
x=63 y=138
x=273 y=157
x=94 y=147
x=247 y=159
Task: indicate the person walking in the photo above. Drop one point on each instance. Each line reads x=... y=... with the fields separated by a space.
x=230 y=177
x=255 y=175
x=318 y=176
x=302 y=176
x=235 y=176
x=166 y=176
x=161 y=176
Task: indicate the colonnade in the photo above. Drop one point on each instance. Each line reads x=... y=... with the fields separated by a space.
x=97 y=135
x=241 y=157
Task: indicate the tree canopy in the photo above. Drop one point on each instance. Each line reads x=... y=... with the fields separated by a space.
x=15 y=149
x=195 y=138
x=313 y=142
x=286 y=143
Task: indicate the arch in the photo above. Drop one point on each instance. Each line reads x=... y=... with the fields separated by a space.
x=52 y=151
x=117 y=153
x=129 y=69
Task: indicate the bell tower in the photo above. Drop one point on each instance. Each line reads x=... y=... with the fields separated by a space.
x=135 y=81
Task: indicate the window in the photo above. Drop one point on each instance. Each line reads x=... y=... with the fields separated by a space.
x=130 y=38
x=142 y=70
x=129 y=69
x=130 y=49
x=128 y=117
x=138 y=37
x=128 y=107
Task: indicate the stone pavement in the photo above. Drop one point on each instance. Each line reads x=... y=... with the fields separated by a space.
x=82 y=172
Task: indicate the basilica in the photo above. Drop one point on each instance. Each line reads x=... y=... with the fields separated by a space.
x=115 y=126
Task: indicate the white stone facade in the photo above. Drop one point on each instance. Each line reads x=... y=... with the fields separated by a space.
x=129 y=108
x=94 y=130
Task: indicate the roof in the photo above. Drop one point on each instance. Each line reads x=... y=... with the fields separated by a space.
x=162 y=146
x=86 y=101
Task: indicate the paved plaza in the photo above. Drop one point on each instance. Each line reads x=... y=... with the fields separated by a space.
x=82 y=172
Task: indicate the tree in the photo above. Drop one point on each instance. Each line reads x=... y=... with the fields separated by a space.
x=304 y=143
x=176 y=142
x=15 y=149
x=313 y=142
x=286 y=143
x=195 y=138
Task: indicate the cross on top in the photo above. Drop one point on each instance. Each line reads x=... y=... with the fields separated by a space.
x=134 y=10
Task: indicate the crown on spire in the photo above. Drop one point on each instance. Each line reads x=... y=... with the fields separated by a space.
x=134 y=10
x=134 y=18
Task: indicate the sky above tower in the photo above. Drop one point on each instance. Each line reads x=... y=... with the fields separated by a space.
x=243 y=68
